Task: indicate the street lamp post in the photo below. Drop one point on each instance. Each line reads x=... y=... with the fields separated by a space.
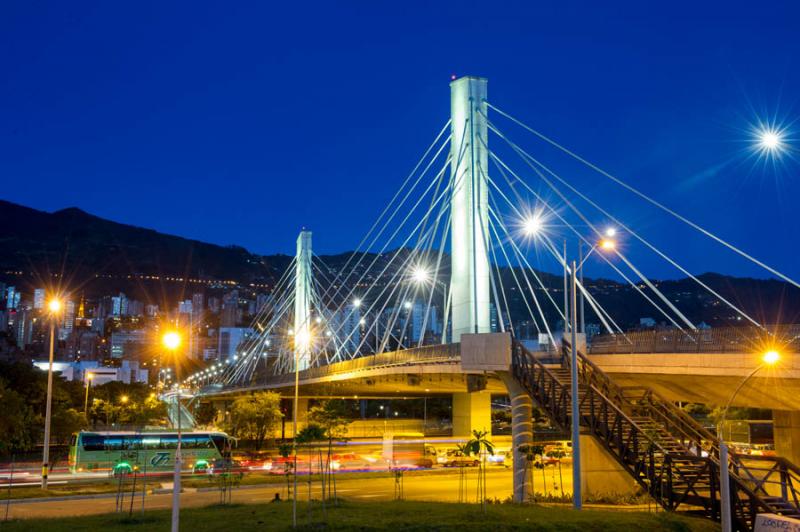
x=54 y=306
x=172 y=341
x=769 y=358
x=576 y=429
x=89 y=377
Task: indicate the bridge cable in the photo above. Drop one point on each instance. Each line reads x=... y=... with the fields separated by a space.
x=648 y=199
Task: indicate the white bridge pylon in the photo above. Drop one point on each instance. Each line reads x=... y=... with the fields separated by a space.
x=469 y=158
x=303 y=289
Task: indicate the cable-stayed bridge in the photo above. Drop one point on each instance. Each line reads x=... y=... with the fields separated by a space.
x=441 y=286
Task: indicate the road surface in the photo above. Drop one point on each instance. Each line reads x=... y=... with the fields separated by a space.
x=436 y=486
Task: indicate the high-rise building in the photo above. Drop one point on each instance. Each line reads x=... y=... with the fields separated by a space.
x=346 y=326
x=151 y=311
x=69 y=321
x=119 y=305
x=185 y=307
x=230 y=338
x=39 y=296
x=230 y=308
x=127 y=344
x=420 y=325
x=23 y=326
x=12 y=297
x=135 y=308
x=197 y=305
x=213 y=305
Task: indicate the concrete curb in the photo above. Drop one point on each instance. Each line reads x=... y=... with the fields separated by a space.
x=157 y=491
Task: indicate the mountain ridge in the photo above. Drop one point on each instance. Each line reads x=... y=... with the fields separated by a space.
x=96 y=254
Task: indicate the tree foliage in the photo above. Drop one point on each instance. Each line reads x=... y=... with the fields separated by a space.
x=19 y=424
x=206 y=414
x=333 y=417
x=255 y=417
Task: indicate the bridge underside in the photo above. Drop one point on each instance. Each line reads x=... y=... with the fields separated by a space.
x=708 y=378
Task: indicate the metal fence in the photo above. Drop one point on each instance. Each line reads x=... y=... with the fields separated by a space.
x=721 y=340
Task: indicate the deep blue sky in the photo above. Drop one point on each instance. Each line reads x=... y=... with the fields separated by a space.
x=240 y=123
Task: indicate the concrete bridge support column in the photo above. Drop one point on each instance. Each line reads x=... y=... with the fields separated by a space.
x=471 y=411
x=786 y=425
x=521 y=434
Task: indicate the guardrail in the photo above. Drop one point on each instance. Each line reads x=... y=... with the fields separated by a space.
x=720 y=340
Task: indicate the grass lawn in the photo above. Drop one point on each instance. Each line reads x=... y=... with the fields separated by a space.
x=375 y=516
x=194 y=481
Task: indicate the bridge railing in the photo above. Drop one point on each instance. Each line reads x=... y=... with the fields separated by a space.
x=430 y=354
x=719 y=340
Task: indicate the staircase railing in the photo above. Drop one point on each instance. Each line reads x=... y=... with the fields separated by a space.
x=670 y=479
x=686 y=476
x=775 y=479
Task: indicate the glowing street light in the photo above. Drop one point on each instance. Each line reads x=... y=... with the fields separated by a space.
x=770 y=140
x=608 y=244
x=610 y=232
x=771 y=357
x=420 y=275
x=171 y=340
x=124 y=399
x=532 y=225
x=356 y=302
x=54 y=306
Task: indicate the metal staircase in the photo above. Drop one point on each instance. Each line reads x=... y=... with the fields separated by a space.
x=670 y=455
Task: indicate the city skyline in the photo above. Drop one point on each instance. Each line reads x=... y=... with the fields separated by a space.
x=219 y=162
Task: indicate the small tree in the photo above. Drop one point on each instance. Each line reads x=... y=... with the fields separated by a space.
x=256 y=416
x=311 y=433
x=558 y=454
x=332 y=417
x=480 y=445
x=285 y=450
x=538 y=450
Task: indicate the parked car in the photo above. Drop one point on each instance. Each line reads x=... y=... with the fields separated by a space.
x=456 y=458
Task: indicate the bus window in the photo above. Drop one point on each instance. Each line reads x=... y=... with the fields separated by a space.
x=219 y=442
x=114 y=443
x=93 y=443
x=149 y=442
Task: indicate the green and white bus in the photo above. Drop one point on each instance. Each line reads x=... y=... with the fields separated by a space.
x=125 y=452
